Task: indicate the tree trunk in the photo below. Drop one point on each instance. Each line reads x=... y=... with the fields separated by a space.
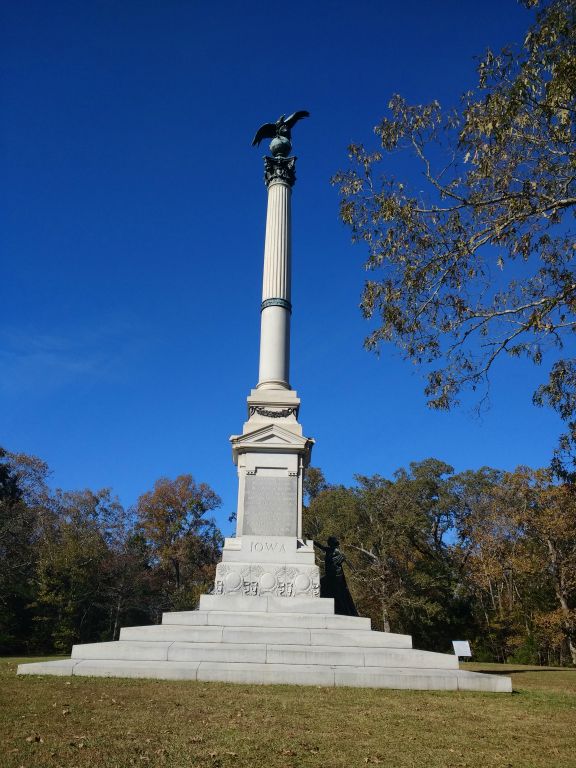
x=176 y=564
x=116 y=619
x=385 y=619
x=559 y=586
x=568 y=627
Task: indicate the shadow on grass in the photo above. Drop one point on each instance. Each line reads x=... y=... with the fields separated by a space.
x=510 y=672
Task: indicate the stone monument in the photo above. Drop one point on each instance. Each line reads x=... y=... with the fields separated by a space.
x=265 y=621
x=268 y=555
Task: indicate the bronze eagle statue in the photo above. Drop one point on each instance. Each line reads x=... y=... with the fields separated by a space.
x=280 y=132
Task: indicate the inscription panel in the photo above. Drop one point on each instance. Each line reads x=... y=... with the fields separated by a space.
x=270 y=506
x=268 y=549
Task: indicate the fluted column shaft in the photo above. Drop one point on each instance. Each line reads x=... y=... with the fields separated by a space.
x=276 y=307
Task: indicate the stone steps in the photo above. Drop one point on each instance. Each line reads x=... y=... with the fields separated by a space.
x=265 y=639
x=262 y=653
x=291 y=674
x=270 y=635
x=263 y=619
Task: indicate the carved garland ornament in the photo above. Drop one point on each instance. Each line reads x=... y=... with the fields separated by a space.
x=282 y=414
x=284 y=303
x=253 y=580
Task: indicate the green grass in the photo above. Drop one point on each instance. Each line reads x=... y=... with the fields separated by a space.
x=78 y=722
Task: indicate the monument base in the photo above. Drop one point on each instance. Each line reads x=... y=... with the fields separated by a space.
x=237 y=638
x=268 y=565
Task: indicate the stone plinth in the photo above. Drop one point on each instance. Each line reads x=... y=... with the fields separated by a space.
x=271 y=456
x=268 y=565
x=269 y=639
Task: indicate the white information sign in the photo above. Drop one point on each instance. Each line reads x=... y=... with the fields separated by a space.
x=461 y=648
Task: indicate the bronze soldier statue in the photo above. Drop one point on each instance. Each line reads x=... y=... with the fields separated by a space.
x=333 y=583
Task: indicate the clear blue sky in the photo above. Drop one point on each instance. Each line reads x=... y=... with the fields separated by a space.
x=133 y=225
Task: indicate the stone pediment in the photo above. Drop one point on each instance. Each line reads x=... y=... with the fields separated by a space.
x=270 y=438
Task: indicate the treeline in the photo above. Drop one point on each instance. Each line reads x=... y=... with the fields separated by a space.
x=484 y=555
x=76 y=566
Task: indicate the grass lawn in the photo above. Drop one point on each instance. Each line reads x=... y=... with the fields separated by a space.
x=92 y=723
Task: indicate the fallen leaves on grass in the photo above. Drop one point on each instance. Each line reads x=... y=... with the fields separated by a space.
x=77 y=744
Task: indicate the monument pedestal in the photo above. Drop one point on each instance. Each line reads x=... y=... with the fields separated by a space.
x=271 y=455
x=267 y=639
x=281 y=566
x=268 y=555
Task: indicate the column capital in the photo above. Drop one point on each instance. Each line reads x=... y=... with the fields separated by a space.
x=279 y=169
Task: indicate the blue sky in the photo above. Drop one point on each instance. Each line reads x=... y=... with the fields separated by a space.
x=133 y=226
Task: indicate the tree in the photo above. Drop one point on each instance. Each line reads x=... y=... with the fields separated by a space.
x=504 y=583
x=409 y=561
x=545 y=512
x=184 y=542
x=73 y=570
x=132 y=591
x=22 y=498
x=75 y=565
x=516 y=535
x=394 y=533
x=479 y=265
x=314 y=483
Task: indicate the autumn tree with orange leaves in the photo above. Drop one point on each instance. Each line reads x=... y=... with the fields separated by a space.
x=185 y=541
